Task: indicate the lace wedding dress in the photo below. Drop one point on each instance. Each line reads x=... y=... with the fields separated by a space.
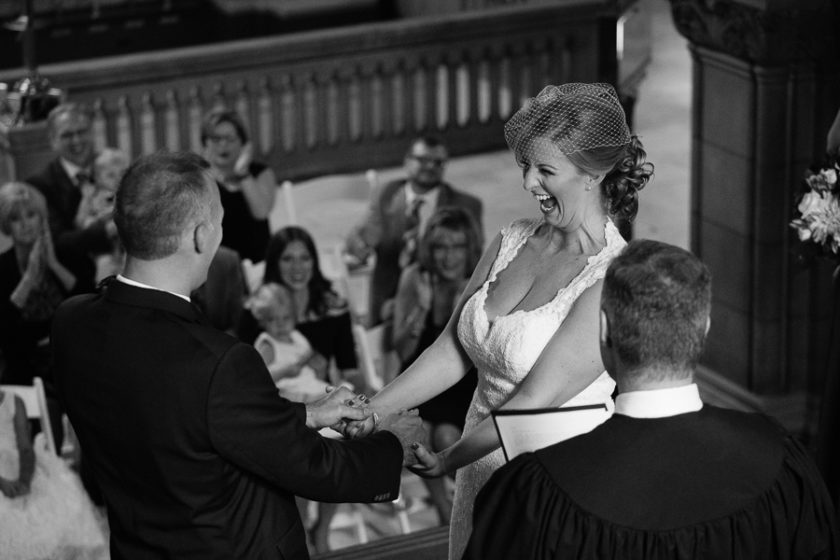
x=504 y=351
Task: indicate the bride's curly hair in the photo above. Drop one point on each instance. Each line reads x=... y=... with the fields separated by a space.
x=627 y=172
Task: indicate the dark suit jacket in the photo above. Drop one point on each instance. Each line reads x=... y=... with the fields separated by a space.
x=383 y=230
x=63 y=198
x=196 y=454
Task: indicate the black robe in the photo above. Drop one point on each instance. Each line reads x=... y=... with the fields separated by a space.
x=715 y=484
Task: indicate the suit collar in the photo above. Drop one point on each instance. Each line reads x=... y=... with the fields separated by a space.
x=127 y=294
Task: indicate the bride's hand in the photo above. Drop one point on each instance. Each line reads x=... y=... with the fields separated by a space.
x=360 y=428
x=429 y=465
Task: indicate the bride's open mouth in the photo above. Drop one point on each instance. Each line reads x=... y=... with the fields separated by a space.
x=547 y=203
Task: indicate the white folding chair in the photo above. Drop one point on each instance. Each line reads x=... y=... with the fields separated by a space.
x=377 y=359
x=288 y=196
x=253 y=274
x=35 y=400
x=379 y=365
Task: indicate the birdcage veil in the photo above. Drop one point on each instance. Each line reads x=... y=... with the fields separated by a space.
x=566 y=119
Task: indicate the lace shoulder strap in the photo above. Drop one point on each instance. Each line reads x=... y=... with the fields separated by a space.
x=596 y=265
x=514 y=236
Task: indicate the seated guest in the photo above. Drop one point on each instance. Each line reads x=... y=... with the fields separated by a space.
x=426 y=296
x=98 y=205
x=97 y=202
x=247 y=187
x=295 y=369
x=34 y=280
x=323 y=317
x=65 y=178
x=397 y=218
x=666 y=477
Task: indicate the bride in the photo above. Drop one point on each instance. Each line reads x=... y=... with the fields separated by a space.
x=528 y=318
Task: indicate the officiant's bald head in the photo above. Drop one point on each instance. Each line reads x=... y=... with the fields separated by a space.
x=655 y=308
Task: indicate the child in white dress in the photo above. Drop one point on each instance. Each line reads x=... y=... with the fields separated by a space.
x=44 y=511
x=298 y=372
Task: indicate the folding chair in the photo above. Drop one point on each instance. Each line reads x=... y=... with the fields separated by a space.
x=377 y=359
x=35 y=400
x=379 y=366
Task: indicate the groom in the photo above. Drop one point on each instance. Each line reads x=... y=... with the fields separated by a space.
x=196 y=455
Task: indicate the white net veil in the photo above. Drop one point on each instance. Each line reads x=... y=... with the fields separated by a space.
x=566 y=119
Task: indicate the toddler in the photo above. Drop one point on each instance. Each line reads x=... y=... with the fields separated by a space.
x=98 y=205
x=97 y=202
x=44 y=510
x=297 y=371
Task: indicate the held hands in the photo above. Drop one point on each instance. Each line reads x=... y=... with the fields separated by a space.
x=408 y=427
x=428 y=464
x=336 y=408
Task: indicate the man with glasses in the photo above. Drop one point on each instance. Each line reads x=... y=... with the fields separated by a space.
x=63 y=180
x=397 y=217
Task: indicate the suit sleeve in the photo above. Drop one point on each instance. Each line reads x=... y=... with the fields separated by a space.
x=251 y=426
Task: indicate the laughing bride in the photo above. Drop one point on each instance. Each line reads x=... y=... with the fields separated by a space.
x=528 y=318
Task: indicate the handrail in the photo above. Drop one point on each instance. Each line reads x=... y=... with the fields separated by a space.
x=347 y=99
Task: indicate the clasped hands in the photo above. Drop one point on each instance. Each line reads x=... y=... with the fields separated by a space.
x=352 y=416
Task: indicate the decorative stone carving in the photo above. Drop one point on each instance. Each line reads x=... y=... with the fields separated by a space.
x=790 y=31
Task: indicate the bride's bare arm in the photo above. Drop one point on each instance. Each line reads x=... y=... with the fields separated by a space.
x=569 y=363
x=443 y=363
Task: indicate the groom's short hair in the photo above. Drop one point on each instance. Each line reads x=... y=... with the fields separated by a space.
x=159 y=196
x=657 y=298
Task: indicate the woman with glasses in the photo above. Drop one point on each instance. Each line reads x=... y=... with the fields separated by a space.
x=247 y=187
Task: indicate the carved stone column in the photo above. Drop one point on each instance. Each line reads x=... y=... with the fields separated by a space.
x=766 y=87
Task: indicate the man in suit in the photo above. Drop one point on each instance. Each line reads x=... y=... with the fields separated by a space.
x=666 y=476
x=63 y=180
x=397 y=217
x=195 y=453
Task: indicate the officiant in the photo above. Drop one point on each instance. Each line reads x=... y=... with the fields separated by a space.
x=667 y=476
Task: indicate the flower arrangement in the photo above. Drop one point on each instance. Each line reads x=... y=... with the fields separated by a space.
x=818 y=224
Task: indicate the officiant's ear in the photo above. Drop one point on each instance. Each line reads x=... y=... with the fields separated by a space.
x=604 y=330
x=202 y=237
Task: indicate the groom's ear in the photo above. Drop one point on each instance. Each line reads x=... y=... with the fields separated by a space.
x=201 y=237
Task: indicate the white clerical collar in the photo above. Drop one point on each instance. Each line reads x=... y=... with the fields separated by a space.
x=136 y=284
x=659 y=403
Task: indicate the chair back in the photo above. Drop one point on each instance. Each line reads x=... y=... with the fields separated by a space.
x=376 y=358
x=35 y=399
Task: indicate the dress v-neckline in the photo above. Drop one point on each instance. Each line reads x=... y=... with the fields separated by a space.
x=514 y=252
